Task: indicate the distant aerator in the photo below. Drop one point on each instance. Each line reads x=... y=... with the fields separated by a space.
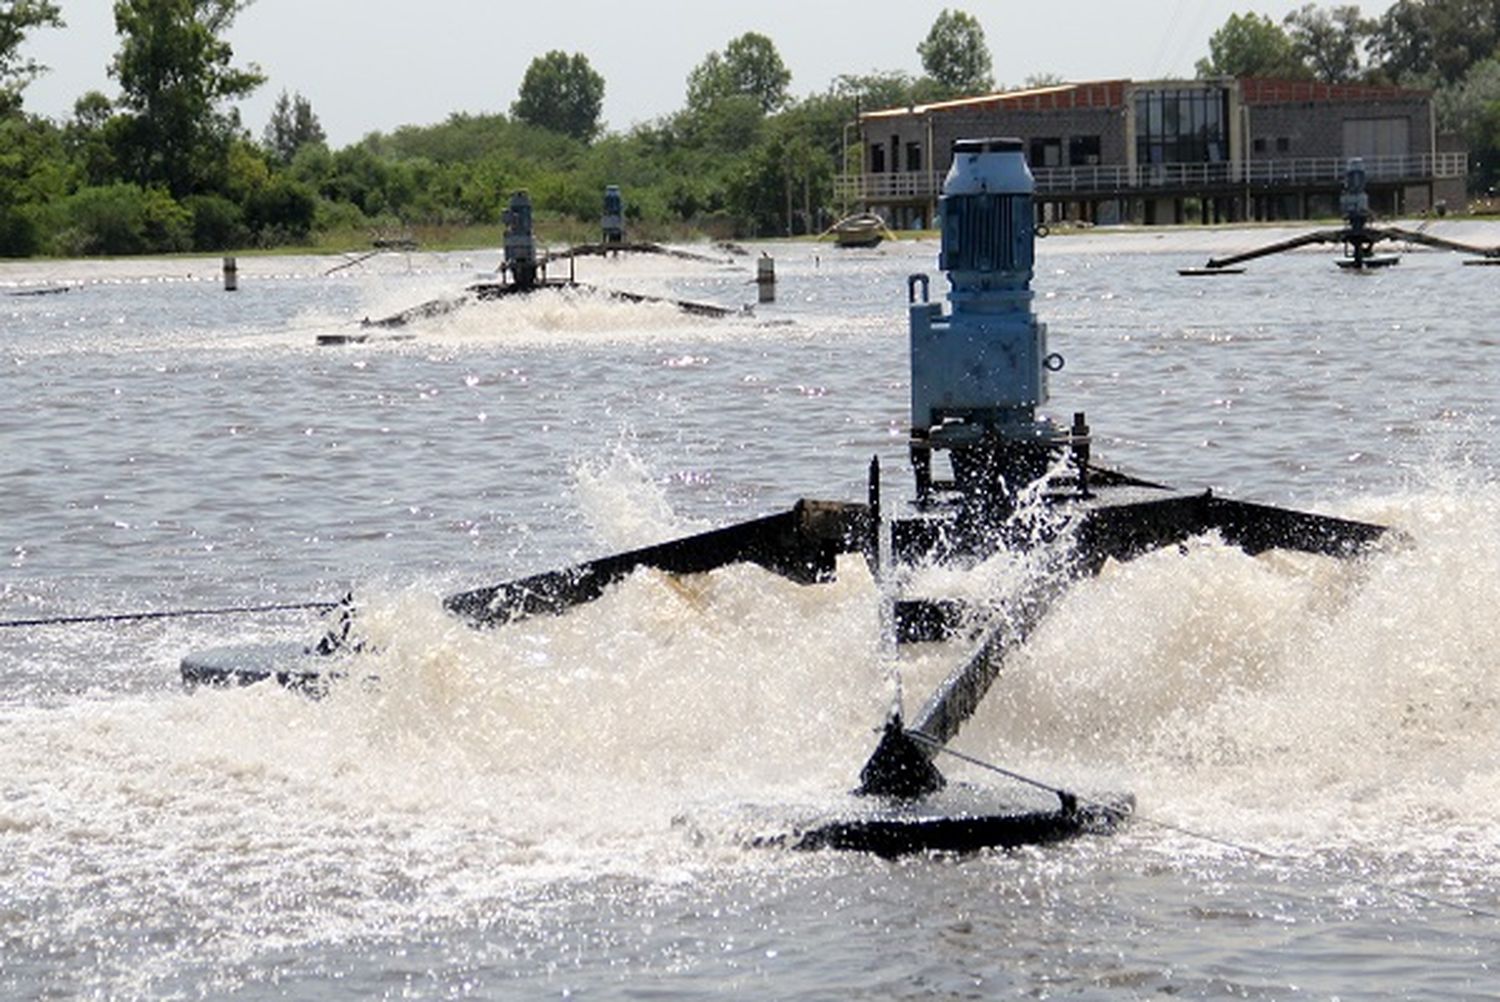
x=1357 y=236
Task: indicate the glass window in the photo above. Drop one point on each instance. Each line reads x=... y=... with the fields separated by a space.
x=1181 y=125
x=1045 y=151
x=1084 y=151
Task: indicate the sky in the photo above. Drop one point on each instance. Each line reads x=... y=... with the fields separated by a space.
x=374 y=65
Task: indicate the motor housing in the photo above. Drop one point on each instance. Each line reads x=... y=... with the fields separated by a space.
x=979 y=371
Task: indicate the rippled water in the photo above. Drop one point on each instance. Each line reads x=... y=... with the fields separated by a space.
x=563 y=807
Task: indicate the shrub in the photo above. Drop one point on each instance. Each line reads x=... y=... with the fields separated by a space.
x=18 y=233
x=167 y=225
x=329 y=216
x=123 y=219
x=218 y=224
x=104 y=220
x=282 y=211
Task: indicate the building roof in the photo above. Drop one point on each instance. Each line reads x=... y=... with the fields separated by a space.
x=1112 y=94
x=1263 y=90
x=1095 y=94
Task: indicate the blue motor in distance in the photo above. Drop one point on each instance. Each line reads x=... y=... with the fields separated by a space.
x=520 y=243
x=613 y=221
x=1354 y=201
x=979 y=372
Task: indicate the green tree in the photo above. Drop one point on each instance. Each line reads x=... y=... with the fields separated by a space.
x=1329 y=41
x=17 y=17
x=1471 y=109
x=955 y=55
x=748 y=66
x=1251 y=45
x=1485 y=137
x=34 y=174
x=281 y=211
x=218 y=223
x=1419 y=40
x=292 y=126
x=784 y=185
x=1461 y=105
x=1401 y=43
x=87 y=138
x=175 y=75
x=875 y=91
x=728 y=125
x=1044 y=79
x=123 y=219
x=562 y=93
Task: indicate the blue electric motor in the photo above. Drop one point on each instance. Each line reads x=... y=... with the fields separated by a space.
x=979 y=372
x=613 y=220
x=520 y=243
x=1354 y=202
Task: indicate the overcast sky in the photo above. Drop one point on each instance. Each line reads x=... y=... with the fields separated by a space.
x=373 y=65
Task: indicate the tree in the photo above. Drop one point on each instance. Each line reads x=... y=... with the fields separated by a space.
x=1329 y=42
x=730 y=124
x=749 y=66
x=87 y=137
x=1044 y=79
x=175 y=74
x=281 y=211
x=1416 y=40
x=1485 y=137
x=955 y=55
x=1471 y=108
x=561 y=93
x=17 y=17
x=875 y=91
x=33 y=175
x=292 y=126
x=1251 y=45
x=1460 y=106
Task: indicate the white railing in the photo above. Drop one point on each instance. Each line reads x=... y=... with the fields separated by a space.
x=1121 y=178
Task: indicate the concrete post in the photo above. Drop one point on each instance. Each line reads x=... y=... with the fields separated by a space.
x=765 y=278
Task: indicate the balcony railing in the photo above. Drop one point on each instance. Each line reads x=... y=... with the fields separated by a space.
x=1145 y=178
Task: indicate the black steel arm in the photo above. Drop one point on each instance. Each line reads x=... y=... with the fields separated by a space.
x=1316 y=237
x=1442 y=243
x=1123 y=531
x=685 y=305
x=802 y=544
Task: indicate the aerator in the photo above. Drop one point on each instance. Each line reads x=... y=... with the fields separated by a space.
x=1016 y=480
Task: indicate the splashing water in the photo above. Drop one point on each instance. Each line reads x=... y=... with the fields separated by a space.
x=1286 y=696
x=563 y=804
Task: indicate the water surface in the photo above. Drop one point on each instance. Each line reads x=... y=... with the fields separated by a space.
x=562 y=808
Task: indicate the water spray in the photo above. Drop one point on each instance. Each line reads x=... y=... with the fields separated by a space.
x=1019 y=484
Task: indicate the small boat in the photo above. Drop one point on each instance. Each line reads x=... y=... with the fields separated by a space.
x=864 y=229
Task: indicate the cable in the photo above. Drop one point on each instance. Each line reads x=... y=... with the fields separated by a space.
x=1118 y=813
x=932 y=742
x=126 y=617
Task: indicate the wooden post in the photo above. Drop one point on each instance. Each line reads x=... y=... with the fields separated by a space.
x=231 y=275
x=765 y=278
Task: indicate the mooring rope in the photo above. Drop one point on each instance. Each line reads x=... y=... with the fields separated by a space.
x=127 y=617
x=1065 y=795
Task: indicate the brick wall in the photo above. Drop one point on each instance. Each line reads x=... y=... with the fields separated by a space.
x=1296 y=130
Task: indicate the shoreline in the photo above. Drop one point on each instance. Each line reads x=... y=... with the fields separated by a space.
x=1190 y=241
